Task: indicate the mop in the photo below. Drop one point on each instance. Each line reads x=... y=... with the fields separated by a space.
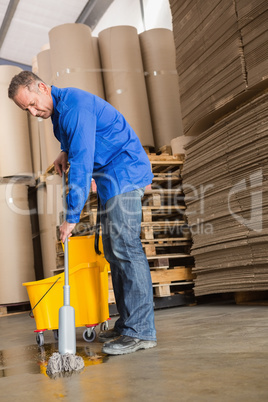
x=65 y=360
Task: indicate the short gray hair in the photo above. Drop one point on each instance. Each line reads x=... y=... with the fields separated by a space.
x=25 y=79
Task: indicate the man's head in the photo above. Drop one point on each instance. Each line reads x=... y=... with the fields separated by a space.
x=30 y=93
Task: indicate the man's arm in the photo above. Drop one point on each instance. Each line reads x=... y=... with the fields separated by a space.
x=80 y=129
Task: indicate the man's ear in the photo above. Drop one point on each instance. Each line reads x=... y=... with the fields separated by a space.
x=43 y=88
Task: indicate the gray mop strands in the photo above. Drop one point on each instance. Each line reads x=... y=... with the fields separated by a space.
x=64 y=363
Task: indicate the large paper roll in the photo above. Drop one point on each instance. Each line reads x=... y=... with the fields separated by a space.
x=51 y=144
x=97 y=61
x=15 y=151
x=43 y=146
x=47 y=235
x=44 y=66
x=54 y=198
x=34 y=65
x=34 y=133
x=16 y=251
x=73 y=58
x=124 y=79
x=159 y=61
x=35 y=144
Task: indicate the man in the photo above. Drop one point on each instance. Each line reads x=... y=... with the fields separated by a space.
x=98 y=142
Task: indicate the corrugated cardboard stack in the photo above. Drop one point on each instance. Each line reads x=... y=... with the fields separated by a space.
x=209 y=56
x=227 y=203
x=222 y=66
x=221 y=54
x=253 y=24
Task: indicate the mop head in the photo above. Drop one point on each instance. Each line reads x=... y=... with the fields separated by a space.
x=64 y=363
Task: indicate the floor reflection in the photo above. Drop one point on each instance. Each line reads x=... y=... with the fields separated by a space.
x=33 y=359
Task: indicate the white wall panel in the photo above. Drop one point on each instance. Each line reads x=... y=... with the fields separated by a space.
x=33 y=19
x=157 y=14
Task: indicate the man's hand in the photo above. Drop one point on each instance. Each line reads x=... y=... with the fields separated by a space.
x=66 y=230
x=61 y=163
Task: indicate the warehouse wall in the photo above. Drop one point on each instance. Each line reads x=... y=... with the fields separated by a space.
x=157 y=14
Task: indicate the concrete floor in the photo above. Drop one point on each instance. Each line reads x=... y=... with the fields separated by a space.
x=210 y=352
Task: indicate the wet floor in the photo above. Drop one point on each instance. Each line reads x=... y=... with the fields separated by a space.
x=204 y=353
x=33 y=359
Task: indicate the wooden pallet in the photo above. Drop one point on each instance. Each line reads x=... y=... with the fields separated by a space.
x=252 y=298
x=167 y=289
x=168 y=181
x=167 y=150
x=25 y=180
x=161 y=197
x=14 y=308
x=50 y=170
x=167 y=242
x=175 y=274
x=158 y=249
x=163 y=280
x=157 y=230
x=111 y=297
x=160 y=213
x=171 y=169
x=166 y=260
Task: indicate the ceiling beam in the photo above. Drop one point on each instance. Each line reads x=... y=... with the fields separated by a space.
x=142 y=14
x=93 y=11
x=11 y=8
x=6 y=62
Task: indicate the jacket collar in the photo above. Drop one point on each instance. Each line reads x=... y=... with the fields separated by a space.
x=58 y=104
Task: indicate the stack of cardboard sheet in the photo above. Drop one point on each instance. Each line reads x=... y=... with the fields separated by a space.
x=221 y=52
x=253 y=25
x=209 y=61
x=225 y=180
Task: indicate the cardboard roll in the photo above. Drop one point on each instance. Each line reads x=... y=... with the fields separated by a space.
x=15 y=152
x=16 y=251
x=124 y=81
x=75 y=59
x=159 y=61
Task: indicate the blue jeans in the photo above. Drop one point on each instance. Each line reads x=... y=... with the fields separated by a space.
x=121 y=227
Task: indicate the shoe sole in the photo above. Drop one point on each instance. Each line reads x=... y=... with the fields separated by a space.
x=143 y=345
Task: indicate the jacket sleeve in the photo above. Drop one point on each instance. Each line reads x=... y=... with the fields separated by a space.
x=79 y=127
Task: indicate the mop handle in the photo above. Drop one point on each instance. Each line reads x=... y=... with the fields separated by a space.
x=66 y=251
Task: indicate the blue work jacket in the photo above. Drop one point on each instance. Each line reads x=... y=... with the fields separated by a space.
x=100 y=144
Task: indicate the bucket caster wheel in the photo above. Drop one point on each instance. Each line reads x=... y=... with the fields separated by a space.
x=40 y=339
x=104 y=326
x=89 y=334
x=56 y=334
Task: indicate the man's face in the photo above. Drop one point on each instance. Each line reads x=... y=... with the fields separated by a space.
x=39 y=104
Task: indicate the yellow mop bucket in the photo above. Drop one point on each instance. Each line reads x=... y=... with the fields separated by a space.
x=88 y=278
